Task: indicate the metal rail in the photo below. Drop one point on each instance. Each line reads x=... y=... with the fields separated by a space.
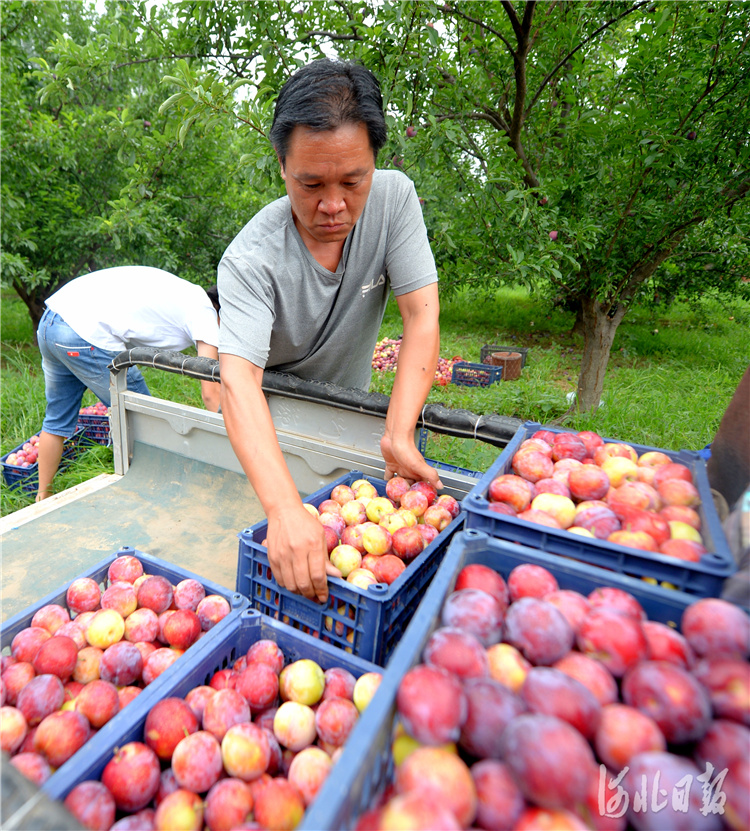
x=492 y=429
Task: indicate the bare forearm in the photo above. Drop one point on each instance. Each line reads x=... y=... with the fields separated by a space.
x=211 y=395
x=210 y=390
x=253 y=437
x=296 y=544
x=417 y=362
x=415 y=373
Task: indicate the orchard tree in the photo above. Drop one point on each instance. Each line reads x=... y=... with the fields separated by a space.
x=628 y=124
x=93 y=176
x=596 y=152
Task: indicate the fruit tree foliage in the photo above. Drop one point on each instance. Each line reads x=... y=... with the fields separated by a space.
x=92 y=175
x=595 y=152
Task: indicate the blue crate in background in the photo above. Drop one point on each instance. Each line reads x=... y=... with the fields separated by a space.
x=368 y=623
x=153 y=691
x=705 y=578
x=365 y=768
x=475 y=375
x=230 y=641
x=26 y=479
x=96 y=429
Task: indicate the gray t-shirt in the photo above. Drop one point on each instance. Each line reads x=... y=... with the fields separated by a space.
x=282 y=310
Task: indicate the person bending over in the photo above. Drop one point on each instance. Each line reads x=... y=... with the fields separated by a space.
x=304 y=287
x=96 y=316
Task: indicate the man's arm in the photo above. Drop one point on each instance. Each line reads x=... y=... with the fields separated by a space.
x=415 y=373
x=210 y=390
x=297 y=550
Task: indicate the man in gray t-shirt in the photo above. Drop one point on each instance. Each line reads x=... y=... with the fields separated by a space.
x=303 y=289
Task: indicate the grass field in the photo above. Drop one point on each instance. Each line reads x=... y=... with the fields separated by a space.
x=669 y=380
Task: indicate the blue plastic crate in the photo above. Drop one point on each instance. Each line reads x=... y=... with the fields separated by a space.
x=26 y=479
x=705 y=578
x=422 y=446
x=475 y=375
x=96 y=429
x=365 y=768
x=231 y=641
x=366 y=623
x=153 y=691
x=475 y=474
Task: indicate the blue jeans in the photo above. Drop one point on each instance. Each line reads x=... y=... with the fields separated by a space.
x=71 y=365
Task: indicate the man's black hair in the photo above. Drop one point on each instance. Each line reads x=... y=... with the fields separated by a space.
x=213 y=296
x=324 y=95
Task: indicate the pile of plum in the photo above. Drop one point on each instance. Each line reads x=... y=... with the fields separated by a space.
x=538 y=707
x=75 y=667
x=251 y=749
x=385 y=359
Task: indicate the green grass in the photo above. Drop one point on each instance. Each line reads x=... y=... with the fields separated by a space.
x=669 y=380
x=670 y=377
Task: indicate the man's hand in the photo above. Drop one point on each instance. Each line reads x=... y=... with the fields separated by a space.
x=296 y=545
x=402 y=458
x=297 y=552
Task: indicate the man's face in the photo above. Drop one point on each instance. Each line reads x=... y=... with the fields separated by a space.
x=328 y=177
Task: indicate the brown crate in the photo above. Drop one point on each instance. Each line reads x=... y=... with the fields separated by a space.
x=489 y=348
x=511 y=362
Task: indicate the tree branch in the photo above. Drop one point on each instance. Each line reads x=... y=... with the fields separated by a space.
x=403 y=50
x=323 y=33
x=520 y=56
x=486 y=27
x=639 y=272
x=229 y=56
x=580 y=46
x=513 y=18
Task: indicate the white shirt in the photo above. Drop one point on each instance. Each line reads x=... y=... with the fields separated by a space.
x=127 y=306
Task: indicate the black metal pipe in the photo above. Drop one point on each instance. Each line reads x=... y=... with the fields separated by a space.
x=492 y=429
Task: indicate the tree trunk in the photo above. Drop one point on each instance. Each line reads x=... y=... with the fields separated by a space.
x=579 y=327
x=33 y=302
x=599 y=329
